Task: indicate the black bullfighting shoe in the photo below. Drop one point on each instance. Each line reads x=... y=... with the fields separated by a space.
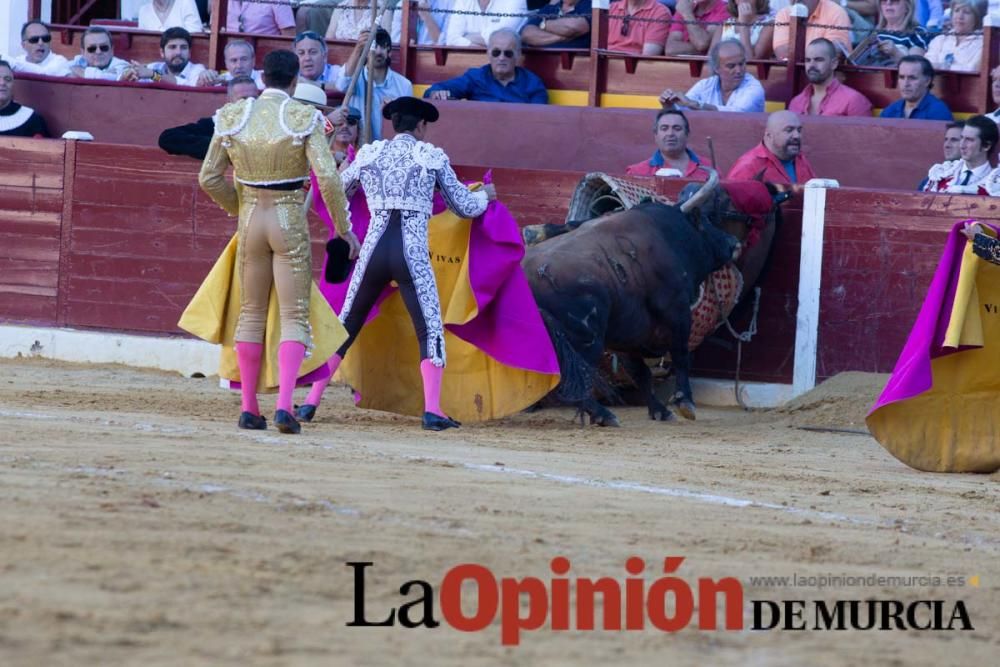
x=305 y=412
x=433 y=422
x=286 y=423
x=253 y=422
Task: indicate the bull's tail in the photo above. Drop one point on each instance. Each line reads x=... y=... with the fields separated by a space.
x=579 y=379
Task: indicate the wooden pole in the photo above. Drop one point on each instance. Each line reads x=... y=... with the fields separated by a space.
x=220 y=9
x=369 y=119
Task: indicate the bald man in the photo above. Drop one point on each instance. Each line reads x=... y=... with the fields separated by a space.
x=779 y=156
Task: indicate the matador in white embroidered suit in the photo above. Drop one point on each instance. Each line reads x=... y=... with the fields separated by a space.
x=399 y=177
x=956 y=177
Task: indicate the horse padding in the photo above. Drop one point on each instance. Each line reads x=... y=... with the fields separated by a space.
x=598 y=193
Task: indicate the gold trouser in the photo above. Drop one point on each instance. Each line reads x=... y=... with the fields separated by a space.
x=273 y=247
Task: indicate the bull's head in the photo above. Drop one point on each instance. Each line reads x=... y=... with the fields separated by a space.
x=737 y=206
x=694 y=200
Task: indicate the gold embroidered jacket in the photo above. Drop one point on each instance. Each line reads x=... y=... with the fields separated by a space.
x=273 y=139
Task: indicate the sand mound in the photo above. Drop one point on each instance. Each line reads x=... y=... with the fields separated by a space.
x=840 y=402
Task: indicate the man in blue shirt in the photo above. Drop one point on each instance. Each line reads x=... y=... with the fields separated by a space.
x=562 y=25
x=500 y=81
x=916 y=76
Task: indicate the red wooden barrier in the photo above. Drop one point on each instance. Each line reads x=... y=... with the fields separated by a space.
x=113 y=237
x=31 y=211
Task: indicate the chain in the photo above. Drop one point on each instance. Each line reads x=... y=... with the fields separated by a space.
x=332 y=4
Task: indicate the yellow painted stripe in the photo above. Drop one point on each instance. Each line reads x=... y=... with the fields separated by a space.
x=568 y=98
x=578 y=98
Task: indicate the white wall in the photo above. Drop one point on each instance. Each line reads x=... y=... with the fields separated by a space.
x=13 y=14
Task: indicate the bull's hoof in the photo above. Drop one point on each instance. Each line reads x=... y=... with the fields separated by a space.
x=605 y=420
x=664 y=415
x=686 y=408
x=532 y=235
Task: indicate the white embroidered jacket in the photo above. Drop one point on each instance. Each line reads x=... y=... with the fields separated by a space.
x=947 y=177
x=400 y=175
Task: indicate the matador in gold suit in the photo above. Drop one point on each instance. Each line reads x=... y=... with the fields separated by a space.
x=272 y=142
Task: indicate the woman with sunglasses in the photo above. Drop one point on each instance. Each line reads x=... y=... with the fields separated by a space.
x=38 y=57
x=158 y=15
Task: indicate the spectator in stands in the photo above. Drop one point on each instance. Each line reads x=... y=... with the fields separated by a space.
x=387 y=85
x=961 y=50
x=499 y=81
x=475 y=28
x=695 y=23
x=825 y=18
x=671 y=131
x=314 y=66
x=38 y=57
x=193 y=139
x=349 y=20
x=779 y=158
x=176 y=67
x=825 y=95
x=952 y=146
x=899 y=34
x=995 y=89
x=730 y=88
x=432 y=21
x=313 y=16
x=239 y=59
x=752 y=23
x=953 y=141
x=638 y=26
x=561 y=25
x=930 y=14
x=159 y=15
x=97 y=58
x=346 y=132
x=916 y=77
x=968 y=174
x=260 y=18
x=17 y=120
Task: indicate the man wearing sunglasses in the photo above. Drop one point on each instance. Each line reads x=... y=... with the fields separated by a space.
x=17 y=120
x=97 y=58
x=38 y=57
x=638 y=26
x=499 y=81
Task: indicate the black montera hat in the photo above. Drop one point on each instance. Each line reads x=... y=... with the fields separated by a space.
x=411 y=106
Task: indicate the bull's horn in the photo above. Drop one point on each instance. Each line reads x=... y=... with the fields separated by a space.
x=703 y=193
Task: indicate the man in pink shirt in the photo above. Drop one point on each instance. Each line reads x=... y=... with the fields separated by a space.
x=687 y=37
x=641 y=37
x=671 y=130
x=257 y=18
x=825 y=95
x=779 y=157
x=825 y=19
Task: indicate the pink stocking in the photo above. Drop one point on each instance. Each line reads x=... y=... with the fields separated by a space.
x=248 y=358
x=316 y=393
x=432 y=386
x=290 y=356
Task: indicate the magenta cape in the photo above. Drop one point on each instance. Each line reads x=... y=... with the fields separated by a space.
x=506 y=326
x=938 y=410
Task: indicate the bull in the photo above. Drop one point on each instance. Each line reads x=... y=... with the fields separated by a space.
x=625 y=282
